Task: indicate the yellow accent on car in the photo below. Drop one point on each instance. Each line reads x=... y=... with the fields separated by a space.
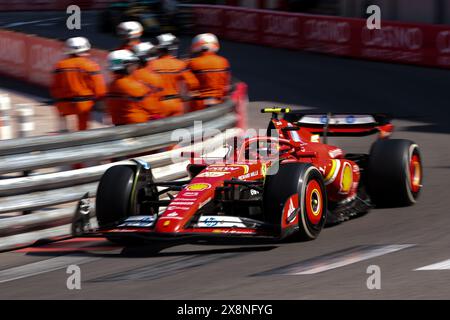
x=332 y=170
x=347 y=178
x=276 y=110
x=315 y=138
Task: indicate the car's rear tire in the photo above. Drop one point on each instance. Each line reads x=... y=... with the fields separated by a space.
x=300 y=187
x=394 y=173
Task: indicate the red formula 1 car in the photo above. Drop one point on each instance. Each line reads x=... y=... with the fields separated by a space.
x=287 y=183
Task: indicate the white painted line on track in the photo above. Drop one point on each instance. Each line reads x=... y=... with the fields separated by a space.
x=336 y=260
x=443 y=265
x=22 y=23
x=43 y=266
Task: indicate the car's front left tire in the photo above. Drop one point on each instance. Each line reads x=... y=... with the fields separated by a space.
x=297 y=189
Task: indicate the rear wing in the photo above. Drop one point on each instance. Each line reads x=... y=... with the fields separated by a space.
x=342 y=124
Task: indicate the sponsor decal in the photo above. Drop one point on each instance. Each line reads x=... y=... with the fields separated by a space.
x=350 y=119
x=231 y=167
x=181 y=208
x=249 y=175
x=210 y=222
x=220 y=222
x=172 y=218
x=209 y=174
x=166 y=223
x=173 y=214
x=190 y=194
x=335 y=153
x=198 y=187
x=183 y=203
x=182 y=199
x=221 y=168
x=138 y=221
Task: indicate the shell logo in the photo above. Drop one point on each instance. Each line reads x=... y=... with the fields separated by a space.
x=198 y=187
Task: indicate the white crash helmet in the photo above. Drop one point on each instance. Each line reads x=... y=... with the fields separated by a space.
x=130 y=30
x=77 y=45
x=145 y=50
x=167 y=41
x=121 y=59
x=205 y=42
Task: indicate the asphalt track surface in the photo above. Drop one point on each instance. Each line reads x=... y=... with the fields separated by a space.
x=334 y=266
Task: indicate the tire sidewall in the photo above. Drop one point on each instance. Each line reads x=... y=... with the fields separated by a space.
x=311 y=230
x=290 y=180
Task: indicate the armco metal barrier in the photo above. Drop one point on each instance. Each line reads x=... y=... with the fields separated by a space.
x=46 y=190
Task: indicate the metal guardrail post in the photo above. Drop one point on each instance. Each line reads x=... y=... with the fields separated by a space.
x=5 y=117
x=25 y=121
x=25 y=126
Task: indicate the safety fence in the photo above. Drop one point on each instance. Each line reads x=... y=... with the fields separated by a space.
x=46 y=188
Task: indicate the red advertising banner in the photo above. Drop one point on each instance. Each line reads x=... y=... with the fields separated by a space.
x=33 y=58
x=419 y=44
x=13 y=54
x=43 y=54
x=242 y=25
x=280 y=30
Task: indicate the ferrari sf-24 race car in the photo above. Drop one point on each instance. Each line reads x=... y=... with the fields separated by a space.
x=289 y=183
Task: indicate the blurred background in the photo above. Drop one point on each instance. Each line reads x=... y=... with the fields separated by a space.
x=315 y=55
